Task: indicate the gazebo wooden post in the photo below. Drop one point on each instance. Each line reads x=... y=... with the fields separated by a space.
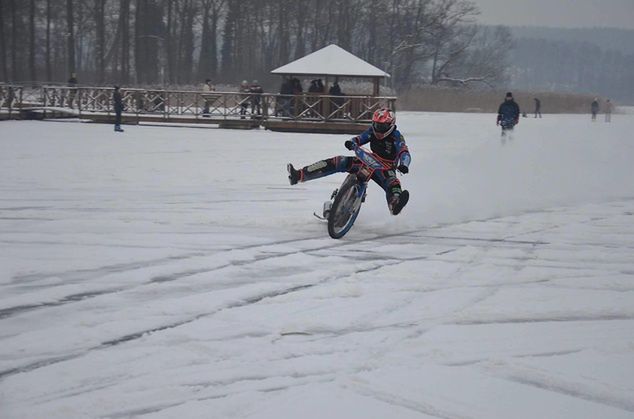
x=325 y=108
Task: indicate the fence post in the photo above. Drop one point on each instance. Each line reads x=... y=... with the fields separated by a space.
x=165 y=104
x=9 y=100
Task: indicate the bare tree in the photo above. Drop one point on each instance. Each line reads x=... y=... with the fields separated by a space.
x=32 y=70
x=14 y=41
x=124 y=19
x=148 y=36
x=3 y=45
x=49 y=69
x=100 y=35
x=417 y=41
x=70 y=27
x=485 y=61
x=229 y=36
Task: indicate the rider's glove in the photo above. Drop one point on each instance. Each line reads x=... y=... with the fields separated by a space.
x=349 y=144
x=402 y=168
x=497 y=122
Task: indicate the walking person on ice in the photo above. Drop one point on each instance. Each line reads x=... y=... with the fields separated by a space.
x=117 y=103
x=508 y=114
x=386 y=142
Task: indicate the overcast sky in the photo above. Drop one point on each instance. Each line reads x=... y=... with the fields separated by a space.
x=558 y=13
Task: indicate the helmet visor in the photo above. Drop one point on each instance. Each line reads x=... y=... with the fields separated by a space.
x=381 y=127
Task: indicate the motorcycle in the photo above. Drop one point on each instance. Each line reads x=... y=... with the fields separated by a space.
x=344 y=205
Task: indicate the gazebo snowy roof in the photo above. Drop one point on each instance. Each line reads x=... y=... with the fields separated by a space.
x=331 y=61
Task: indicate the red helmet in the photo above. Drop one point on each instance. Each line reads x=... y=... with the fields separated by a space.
x=383 y=123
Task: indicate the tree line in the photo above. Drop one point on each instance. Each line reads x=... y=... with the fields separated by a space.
x=183 y=42
x=571 y=66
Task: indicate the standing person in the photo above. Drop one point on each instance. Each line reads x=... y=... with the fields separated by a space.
x=508 y=114
x=594 y=108
x=296 y=105
x=244 y=101
x=72 y=83
x=284 y=106
x=386 y=142
x=296 y=86
x=208 y=87
x=538 y=107
x=609 y=107
x=256 y=97
x=335 y=90
x=117 y=103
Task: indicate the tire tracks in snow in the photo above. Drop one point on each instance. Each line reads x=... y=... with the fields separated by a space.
x=251 y=259
x=245 y=302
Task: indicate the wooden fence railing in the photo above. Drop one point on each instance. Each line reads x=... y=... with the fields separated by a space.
x=171 y=104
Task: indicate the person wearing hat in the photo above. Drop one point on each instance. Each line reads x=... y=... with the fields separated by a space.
x=508 y=114
x=256 y=98
x=245 y=100
x=208 y=87
x=117 y=103
x=594 y=108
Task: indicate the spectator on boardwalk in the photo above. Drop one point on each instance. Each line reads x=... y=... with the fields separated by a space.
x=286 y=90
x=72 y=82
x=297 y=86
x=117 y=103
x=609 y=107
x=316 y=105
x=7 y=97
x=256 y=97
x=296 y=103
x=335 y=90
x=538 y=107
x=594 y=108
x=208 y=87
x=244 y=98
x=316 y=86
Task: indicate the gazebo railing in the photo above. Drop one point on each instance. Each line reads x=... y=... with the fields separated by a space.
x=171 y=104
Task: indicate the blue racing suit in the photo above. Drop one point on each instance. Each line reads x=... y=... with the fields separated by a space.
x=392 y=149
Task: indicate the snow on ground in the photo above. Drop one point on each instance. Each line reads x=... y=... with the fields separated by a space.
x=172 y=272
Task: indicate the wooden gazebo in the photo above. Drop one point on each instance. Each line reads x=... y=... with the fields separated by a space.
x=322 y=112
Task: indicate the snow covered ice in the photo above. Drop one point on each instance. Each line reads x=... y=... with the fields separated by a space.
x=174 y=273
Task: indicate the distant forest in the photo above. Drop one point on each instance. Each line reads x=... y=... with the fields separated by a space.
x=597 y=61
x=183 y=42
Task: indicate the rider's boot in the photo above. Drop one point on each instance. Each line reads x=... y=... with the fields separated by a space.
x=318 y=169
x=294 y=176
x=398 y=201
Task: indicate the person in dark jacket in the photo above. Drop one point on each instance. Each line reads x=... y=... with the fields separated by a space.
x=538 y=107
x=335 y=90
x=284 y=100
x=256 y=98
x=245 y=98
x=72 y=82
x=594 y=108
x=117 y=103
x=508 y=114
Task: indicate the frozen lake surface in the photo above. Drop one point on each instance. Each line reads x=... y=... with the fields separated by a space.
x=174 y=273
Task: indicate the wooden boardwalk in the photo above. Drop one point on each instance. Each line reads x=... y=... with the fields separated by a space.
x=310 y=113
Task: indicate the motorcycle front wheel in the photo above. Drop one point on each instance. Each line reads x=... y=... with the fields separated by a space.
x=345 y=208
